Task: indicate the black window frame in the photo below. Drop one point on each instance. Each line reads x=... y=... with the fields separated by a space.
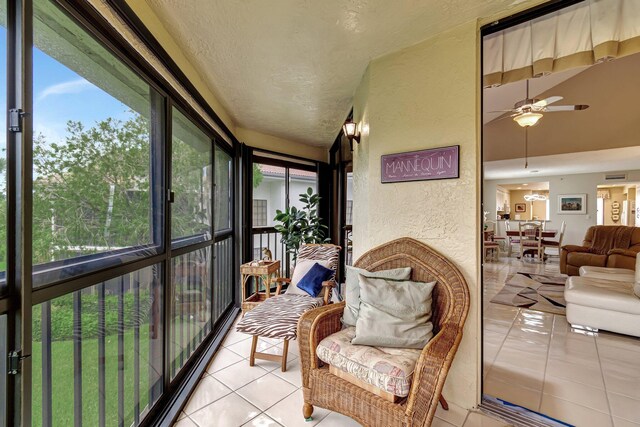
x=21 y=297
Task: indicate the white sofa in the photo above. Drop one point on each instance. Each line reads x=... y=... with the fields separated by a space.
x=603 y=298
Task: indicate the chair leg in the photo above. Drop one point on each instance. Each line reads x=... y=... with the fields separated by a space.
x=285 y=351
x=252 y=356
x=444 y=403
x=307 y=411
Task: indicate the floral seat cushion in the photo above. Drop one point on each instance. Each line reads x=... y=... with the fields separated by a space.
x=390 y=369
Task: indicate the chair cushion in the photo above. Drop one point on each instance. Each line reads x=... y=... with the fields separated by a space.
x=600 y=293
x=618 y=274
x=352 y=288
x=311 y=283
x=390 y=369
x=394 y=313
x=277 y=317
x=530 y=244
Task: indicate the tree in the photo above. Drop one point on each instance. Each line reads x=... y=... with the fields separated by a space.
x=258 y=176
x=91 y=192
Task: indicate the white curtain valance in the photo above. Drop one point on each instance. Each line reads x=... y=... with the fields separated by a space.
x=583 y=34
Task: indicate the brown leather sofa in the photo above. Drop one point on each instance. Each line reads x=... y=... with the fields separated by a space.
x=593 y=253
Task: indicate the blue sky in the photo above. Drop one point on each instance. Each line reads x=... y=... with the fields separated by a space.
x=59 y=95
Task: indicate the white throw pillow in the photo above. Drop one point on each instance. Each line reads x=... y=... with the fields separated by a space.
x=301 y=269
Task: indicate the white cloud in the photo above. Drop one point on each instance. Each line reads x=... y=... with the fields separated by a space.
x=73 y=86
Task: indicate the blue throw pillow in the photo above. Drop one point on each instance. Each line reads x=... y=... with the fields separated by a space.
x=311 y=282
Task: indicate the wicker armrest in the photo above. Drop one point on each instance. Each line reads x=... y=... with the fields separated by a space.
x=279 y=281
x=329 y=284
x=314 y=326
x=431 y=371
x=626 y=252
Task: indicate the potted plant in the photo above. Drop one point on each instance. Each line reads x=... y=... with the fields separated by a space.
x=301 y=226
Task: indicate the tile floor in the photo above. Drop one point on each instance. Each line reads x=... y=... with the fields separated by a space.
x=233 y=394
x=536 y=360
x=531 y=358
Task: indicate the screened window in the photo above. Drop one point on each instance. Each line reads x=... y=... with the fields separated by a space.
x=191 y=182
x=259 y=213
x=92 y=142
x=223 y=189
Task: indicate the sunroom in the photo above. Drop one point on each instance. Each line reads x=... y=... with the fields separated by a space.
x=175 y=175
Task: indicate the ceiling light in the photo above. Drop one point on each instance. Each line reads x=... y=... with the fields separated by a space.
x=527 y=119
x=525 y=184
x=535 y=197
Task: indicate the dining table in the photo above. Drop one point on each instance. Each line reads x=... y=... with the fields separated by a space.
x=546 y=234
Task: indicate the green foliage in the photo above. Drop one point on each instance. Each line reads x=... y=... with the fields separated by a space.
x=62 y=324
x=92 y=190
x=258 y=176
x=301 y=226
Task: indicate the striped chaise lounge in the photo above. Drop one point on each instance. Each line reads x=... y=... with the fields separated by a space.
x=277 y=317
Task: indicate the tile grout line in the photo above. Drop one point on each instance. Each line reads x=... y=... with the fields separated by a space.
x=546 y=365
x=604 y=383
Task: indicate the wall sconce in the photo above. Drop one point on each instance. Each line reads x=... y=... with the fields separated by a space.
x=350 y=130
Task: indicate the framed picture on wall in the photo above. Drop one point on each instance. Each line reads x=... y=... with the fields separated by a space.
x=572 y=204
x=521 y=207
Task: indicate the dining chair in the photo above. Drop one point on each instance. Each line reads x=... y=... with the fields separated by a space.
x=489 y=245
x=511 y=241
x=531 y=239
x=556 y=244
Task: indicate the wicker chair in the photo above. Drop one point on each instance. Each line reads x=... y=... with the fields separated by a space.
x=450 y=307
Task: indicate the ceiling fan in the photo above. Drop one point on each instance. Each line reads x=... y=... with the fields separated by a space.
x=528 y=111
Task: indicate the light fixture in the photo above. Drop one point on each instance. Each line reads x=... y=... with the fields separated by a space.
x=350 y=130
x=527 y=118
x=535 y=197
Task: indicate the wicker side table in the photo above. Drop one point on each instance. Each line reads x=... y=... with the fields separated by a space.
x=264 y=273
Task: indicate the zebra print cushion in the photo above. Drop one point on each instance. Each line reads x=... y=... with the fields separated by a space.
x=327 y=255
x=277 y=317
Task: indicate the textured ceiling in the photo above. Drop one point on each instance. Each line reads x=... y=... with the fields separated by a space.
x=289 y=68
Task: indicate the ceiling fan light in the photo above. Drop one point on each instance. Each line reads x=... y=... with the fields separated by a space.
x=527 y=119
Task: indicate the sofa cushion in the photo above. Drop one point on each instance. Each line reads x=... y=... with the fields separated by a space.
x=599 y=293
x=617 y=274
x=390 y=369
x=352 y=288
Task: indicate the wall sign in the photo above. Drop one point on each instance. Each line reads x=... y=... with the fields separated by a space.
x=436 y=163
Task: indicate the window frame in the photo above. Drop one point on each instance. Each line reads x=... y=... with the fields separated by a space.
x=20 y=299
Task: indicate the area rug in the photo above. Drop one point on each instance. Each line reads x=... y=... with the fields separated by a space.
x=533 y=291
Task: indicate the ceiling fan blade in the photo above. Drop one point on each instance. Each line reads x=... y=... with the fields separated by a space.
x=565 y=108
x=508 y=116
x=500 y=111
x=547 y=101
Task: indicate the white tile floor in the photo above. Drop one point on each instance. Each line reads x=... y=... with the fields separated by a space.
x=233 y=394
x=531 y=358
x=536 y=360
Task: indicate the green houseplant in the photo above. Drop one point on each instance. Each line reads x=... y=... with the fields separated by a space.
x=300 y=226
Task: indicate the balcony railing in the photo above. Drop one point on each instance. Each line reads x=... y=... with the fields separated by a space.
x=268 y=237
x=98 y=353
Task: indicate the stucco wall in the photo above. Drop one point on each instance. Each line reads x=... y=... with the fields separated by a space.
x=423 y=97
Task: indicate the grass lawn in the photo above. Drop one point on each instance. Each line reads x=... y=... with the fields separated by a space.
x=63 y=379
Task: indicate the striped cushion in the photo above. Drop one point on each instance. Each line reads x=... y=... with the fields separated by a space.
x=326 y=255
x=277 y=317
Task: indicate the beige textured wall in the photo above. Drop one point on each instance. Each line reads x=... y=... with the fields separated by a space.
x=425 y=97
x=517 y=196
x=269 y=142
x=153 y=24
